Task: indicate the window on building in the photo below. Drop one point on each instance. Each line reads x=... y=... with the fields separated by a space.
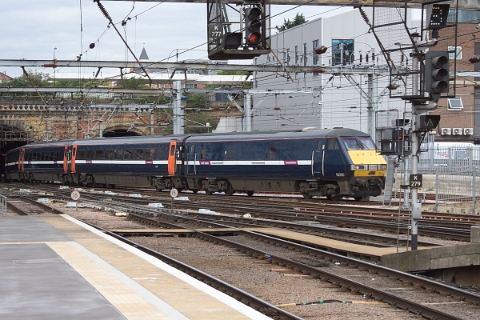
x=455 y=104
x=305 y=57
x=454 y=54
x=296 y=55
x=342 y=51
x=315 y=56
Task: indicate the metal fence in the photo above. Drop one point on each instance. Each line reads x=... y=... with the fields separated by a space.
x=451 y=172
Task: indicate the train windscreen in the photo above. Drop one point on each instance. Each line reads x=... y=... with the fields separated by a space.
x=359 y=143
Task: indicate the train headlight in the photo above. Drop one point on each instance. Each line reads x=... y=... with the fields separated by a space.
x=383 y=167
x=357 y=167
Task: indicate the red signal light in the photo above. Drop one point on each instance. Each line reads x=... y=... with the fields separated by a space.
x=254 y=38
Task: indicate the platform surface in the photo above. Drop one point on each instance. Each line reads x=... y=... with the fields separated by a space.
x=55 y=267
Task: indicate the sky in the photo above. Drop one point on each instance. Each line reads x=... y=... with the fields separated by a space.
x=64 y=29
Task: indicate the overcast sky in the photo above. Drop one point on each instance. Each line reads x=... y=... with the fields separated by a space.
x=32 y=29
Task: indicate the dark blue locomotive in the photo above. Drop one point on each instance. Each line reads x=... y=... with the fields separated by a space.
x=332 y=162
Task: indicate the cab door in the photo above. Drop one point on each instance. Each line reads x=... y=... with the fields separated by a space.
x=333 y=159
x=172 y=159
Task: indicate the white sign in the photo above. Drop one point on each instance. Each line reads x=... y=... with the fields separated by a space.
x=173 y=193
x=75 y=195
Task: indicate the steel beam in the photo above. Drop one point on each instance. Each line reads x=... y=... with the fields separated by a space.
x=462 y=5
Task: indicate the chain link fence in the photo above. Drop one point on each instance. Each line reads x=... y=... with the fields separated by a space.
x=450 y=172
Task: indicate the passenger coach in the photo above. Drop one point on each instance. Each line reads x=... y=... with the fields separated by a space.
x=332 y=162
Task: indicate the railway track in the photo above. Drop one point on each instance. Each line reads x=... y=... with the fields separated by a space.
x=353 y=278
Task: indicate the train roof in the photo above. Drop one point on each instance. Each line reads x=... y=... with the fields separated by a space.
x=310 y=132
x=307 y=132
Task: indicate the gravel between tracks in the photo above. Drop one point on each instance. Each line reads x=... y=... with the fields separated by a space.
x=257 y=276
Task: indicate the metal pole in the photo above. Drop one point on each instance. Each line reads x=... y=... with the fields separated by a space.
x=247 y=112
x=416 y=206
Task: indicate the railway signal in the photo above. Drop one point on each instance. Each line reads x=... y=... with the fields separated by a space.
x=253 y=24
x=436 y=74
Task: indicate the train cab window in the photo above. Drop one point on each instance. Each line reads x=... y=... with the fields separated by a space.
x=352 y=144
x=89 y=154
x=272 y=153
x=203 y=154
x=149 y=154
x=128 y=155
x=172 y=150
x=139 y=154
x=333 y=144
x=108 y=154
x=367 y=143
x=81 y=154
x=98 y=154
x=118 y=154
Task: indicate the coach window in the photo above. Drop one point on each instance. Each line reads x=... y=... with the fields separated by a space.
x=98 y=154
x=162 y=152
x=118 y=154
x=203 y=154
x=273 y=153
x=333 y=144
x=80 y=154
x=172 y=150
x=230 y=154
x=108 y=154
x=128 y=155
x=149 y=154
x=139 y=154
x=89 y=154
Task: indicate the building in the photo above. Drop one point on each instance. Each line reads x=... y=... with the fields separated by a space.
x=460 y=114
x=326 y=100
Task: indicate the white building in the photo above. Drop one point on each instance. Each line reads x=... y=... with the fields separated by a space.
x=332 y=100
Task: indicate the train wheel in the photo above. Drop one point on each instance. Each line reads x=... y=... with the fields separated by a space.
x=194 y=190
x=358 y=198
x=250 y=193
x=306 y=195
x=334 y=197
x=229 y=190
x=208 y=192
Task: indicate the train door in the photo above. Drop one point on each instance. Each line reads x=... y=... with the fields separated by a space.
x=317 y=158
x=333 y=160
x=172 y=158
x=69 y=153
x=191 y=160
x=21 y=160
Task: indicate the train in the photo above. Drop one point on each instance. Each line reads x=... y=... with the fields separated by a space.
x=332 y=163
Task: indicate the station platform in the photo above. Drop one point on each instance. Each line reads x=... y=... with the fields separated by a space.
x=55 y=267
